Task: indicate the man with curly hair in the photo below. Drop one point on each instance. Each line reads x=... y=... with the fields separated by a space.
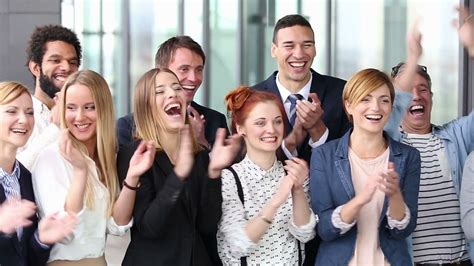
x=53 y=53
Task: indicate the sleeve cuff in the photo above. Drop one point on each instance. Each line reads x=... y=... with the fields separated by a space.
x=321 y=141
x=338 y=223
x=118 y=230
x=287 y=153
x=400 y=225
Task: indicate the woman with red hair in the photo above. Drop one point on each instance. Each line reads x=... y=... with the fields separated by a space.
x=265 y=210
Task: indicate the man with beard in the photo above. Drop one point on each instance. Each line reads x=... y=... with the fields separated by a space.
x=53 y=53
x=185 y=57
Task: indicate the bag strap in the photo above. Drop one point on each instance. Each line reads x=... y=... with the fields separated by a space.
x=240 y=192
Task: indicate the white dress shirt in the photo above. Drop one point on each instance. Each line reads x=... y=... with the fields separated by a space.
x=51 y=181
x=279 y=245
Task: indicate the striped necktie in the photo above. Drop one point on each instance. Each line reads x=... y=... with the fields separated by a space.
x=293 y=98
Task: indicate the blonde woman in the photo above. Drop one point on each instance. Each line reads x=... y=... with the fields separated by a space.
x=178 y=202
x=78 y=173
x=23 y=240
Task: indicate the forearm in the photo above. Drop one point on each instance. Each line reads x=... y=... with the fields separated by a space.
x=123 y=208
x=258 y=225
x=301 y=211
x=396 y=207
x=317 y=131
x=351 y=209
x=75 y=196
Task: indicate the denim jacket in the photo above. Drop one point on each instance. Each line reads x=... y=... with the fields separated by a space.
x=331 y=186
x=457 y=137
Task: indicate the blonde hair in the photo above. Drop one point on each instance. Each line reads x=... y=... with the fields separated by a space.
x=10 y=90
x=362 y=84
x=105 y=132
x=149 y=125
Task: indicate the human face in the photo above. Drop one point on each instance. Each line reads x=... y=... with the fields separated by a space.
x=263 y=129
x=81 y=114
x=16 y=121
x=188 y=66
x=418 y=115
x=294 y=51
x=170 y=101
x=59 y=61
x=371 y=114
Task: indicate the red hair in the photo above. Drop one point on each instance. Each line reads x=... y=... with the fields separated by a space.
x=241 y=101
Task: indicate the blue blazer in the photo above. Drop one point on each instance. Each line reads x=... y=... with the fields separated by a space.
x=331 y=186
x=25 y=251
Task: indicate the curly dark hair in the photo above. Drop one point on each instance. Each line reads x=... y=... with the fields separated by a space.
x=49 y=33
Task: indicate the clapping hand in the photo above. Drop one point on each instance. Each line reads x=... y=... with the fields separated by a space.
x=185 y=157
x=298 y=170
x=70 y=152
x=15 y=213
x=223 y=152
x=390 y=183
x=142 y=159
x=55 y=227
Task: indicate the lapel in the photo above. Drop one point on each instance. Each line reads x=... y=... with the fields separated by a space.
x=318 y=85
x=343 y=166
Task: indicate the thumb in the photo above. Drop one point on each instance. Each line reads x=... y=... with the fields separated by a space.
x=391 y=166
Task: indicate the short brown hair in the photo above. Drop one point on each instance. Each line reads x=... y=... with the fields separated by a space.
x=166 y=51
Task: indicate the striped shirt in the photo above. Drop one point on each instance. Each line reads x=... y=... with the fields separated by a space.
x=438 y=237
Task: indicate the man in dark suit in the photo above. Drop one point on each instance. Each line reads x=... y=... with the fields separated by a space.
x=23 y=241
x=318 y=113
x=185 y=57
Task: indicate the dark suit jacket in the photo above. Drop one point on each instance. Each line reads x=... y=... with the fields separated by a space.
x=25 y=251
x=214 y=120
x=172 y=219
x=329 y=90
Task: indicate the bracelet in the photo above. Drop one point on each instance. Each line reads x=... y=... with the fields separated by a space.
x=124 y=183
x=265 y=219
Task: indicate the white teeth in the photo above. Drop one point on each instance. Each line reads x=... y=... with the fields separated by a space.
x=188 y=87
x=374 y=117
x=18 y=131
x=268 y=139
x=172 y=105
x=60 y=78
x=82 y=126
x=299 y=64
x=416 y=108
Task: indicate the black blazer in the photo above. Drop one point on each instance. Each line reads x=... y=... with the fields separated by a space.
x=175 y=222
x=329 y=90
x=214 y=120
x=25 y=251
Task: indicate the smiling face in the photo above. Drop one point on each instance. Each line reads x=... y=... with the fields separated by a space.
x=188 y=66
x=81 y=114
x=16 y=121
x=263 y=129
x=170 y=101
x=59 y=61
x=418 y=115
x=371 y=114
x=294 y=51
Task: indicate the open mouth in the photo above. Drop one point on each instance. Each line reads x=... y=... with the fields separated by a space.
x=374 y=117
x=189 y=87
x=60 y=77
x=173 y=109
x=19 y=131
x=417 y=110
x=82 y=127
x=297 y=65
x=268 y=139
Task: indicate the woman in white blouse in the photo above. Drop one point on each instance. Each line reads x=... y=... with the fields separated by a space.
x=267 y=221
x=77 y=174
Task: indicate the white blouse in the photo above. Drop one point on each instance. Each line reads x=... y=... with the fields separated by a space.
x=279 y=244
x=51 y=176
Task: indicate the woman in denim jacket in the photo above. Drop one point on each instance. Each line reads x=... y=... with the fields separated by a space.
x=364 y=186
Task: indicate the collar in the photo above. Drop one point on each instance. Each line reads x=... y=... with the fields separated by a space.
x=40 y=106
x=260 y=173
x=284 y=92
x=342 y=149
x=15 y=173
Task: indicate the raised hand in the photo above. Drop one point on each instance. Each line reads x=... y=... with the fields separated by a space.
x=296 y=136
x=142 y=159
x=310 y=115
x=70 y=152
x=465 y=26
x=55 y=227
x=185 y=158
x=198 y=122
x=390 y=183
x=373 y=182
x=223 y=152
x=298 y=170
x=15 y=213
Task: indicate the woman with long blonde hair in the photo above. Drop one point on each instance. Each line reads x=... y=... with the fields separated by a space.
x=77 y=174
